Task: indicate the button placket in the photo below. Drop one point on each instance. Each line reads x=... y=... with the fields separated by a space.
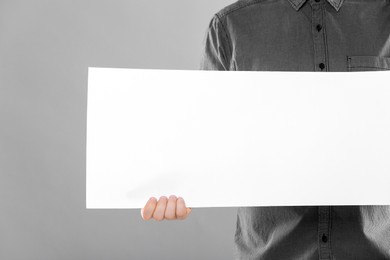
x=320 y=64
x=318 y=34
x=324 y=223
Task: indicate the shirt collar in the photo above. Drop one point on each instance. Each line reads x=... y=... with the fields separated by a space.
x=298 y=3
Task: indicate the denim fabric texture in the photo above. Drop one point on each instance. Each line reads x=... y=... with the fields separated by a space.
x=305 y=35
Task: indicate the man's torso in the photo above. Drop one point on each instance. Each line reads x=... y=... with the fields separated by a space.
x=295 y=35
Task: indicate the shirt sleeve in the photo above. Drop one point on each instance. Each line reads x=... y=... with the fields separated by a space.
x=216 y=51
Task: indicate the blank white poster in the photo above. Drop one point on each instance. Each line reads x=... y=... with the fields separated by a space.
x=237 y=138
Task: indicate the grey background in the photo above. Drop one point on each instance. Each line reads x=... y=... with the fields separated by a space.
x=45 y=49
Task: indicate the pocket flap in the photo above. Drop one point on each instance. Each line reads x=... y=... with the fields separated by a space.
x=367 y=63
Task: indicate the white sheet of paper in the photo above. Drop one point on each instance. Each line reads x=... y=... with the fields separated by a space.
x=237 y=138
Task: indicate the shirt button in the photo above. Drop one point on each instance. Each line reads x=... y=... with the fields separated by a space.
x=322 y=66
x=324 y=238
x=318 y=27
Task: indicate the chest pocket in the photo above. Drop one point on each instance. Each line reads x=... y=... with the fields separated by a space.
x=368 y=63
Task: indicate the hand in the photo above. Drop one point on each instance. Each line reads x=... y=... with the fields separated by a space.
x=164 y=208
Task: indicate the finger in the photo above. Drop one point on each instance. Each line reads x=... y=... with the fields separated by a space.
x=160 y=208
x=170 y=212
x=181 y=210
x=147 y=211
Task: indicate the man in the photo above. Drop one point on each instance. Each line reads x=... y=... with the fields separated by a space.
x=299 y=35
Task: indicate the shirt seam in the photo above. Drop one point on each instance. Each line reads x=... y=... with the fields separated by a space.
x=325 y=37
x=238 y=7
x=330 y=232
x=229 y=45
x=369 y=67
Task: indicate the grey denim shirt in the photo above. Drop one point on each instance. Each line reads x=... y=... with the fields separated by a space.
x=304 y=35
